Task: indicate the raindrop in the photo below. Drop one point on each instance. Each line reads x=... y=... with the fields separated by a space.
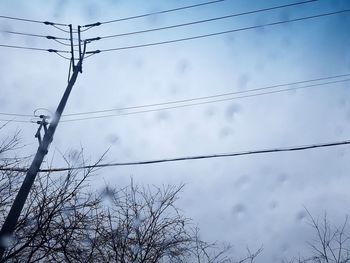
x=282 y=179
x=229 y=39
x=92 y=10
x=226 y=131
x=273 y=205
x=136 y=249
x=339 y=130
x=4 y=28
x=285 y=15
x=29 y=222
x=7 y=241
x=209 y=112
x=231 y=111
x=162 y=116
x=239 y=211
x=73 y=155
x=87 y=241
x=154 y=19
x=139 y=63
x=284 y=247
x=243 y=81
x=182 y=66
x=341 y=153
x=137 y=221
x=108 y=196
x=301 y=215
x=68 y=211
x=112 y=139
x=242 y=182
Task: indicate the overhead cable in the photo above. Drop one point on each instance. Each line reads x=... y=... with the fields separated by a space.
x=197 y=157
x=35 y=48
x=203 y=103
x=33 y=21
x=217 y=33
x=19 y=121
x=35 y=35
x=214 y=96
x=207 y=20
x=154 y=13
x=191 y=99
x=15 y=114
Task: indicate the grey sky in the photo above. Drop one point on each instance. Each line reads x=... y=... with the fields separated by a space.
x=250 y=200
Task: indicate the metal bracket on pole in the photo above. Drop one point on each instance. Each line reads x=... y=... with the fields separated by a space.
x=80 y=54
x=72 y=45
x=42 y=124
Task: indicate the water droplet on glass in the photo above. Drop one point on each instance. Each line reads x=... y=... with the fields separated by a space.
x=273 y=205
x=182 y=66
x=242 y=182
x=231 y=111
x=113 y=139
x=282 y=179
x=226 y=131
x=301 y=215
x=108 y=196
x=239 y=211
x=7 y=241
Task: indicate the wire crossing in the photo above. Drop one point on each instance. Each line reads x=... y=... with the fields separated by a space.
x=188 y=158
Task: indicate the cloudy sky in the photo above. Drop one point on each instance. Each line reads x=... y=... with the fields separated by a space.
x=248 y=201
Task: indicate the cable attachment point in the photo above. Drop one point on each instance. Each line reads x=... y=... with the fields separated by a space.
x=92 y=25
x=42 y=124
x=89 y=40
x=49 y=23
x=94 y=52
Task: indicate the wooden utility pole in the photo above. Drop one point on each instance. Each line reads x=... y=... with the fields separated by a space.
x=10 y=223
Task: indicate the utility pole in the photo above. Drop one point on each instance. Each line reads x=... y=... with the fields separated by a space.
x=9 y=225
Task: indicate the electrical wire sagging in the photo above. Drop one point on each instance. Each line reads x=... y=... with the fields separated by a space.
x=188 y=158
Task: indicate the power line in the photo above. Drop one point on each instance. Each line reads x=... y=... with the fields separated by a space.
x=211 y=96
x=33 y=21
x=218 y=33
x=36 y=49
x=34 y=35
x=197 y=157
x=192 y=99
x=203 y=103
x=64 y=57
x=154 y=13
x=207 y=20
x=9 y=120
x=65 y=44
x=15 y=114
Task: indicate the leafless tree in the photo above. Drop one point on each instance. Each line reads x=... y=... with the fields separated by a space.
x=330 y=245
x=65 y=220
